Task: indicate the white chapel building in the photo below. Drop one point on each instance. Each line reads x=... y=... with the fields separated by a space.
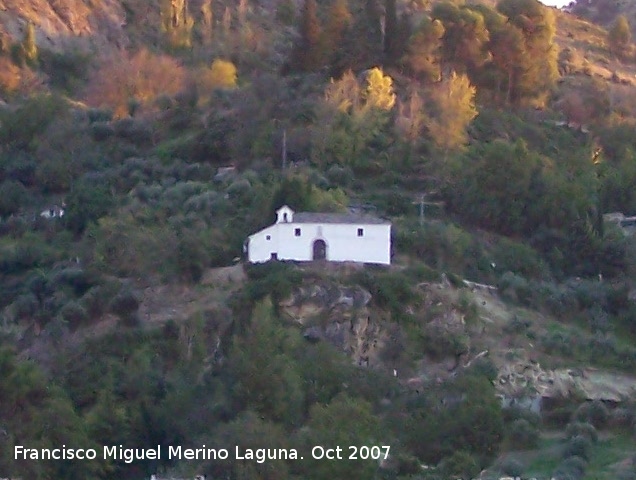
x=334 y=237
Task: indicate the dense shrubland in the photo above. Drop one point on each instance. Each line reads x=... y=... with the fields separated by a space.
x=439 y=103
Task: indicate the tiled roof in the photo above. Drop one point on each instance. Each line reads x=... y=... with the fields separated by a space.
x=351 y=218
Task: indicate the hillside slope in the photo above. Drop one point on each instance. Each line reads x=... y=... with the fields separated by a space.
x=64 y=23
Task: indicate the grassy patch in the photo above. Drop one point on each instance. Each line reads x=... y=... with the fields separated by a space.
x=609 y=451
x=542 y=461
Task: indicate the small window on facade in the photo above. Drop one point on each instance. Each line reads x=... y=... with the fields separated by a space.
x=297 y=232
x=360 y=232
x=268 y=237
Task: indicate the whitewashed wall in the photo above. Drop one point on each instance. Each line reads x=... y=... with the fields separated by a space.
x=343 y=243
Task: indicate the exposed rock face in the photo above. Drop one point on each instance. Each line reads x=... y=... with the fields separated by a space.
x=527 y=380
x=59 y=23
x=340 y=315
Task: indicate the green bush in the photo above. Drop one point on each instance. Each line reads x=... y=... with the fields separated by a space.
x=389 y=290
x=517 y=325
x=460 y=465
x=66 y=70
x=522 y=435
x=627 y=318
x=484 y=367
x=19 y=126
x=192 y=258
x=277 y=279
x=622 y=417
x=31 y=252
x=74 y=313
x=126 y=305
x=515 y=288
x=572 y=468
x=96 y=302
x=341 y=176
x=422 y=273
x=25 y=306
x=520 y=259
x=75 y=277
x=563 y=343
x=558 y=299
x=239 y=190
x=137 y=132
x=581 y=429
x=99 y=115
x=439 y=343
x=467 y=306
x=463 y=415
x=101 y=131
x=12 y=195
x=512 y=467
x=88 y=201
x=513 y=414
x=589 y=293
x=602 y=348
x=594 y=412
x=578 y=446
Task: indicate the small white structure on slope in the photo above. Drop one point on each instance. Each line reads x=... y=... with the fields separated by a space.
x=333 y=237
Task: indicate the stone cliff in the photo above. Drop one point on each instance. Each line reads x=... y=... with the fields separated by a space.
x=60 y=24
x=341 y=315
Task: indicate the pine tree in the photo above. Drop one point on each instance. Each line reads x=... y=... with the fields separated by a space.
x=620 y=37
x=391 y=56
x=338 y=21
x=423 y=53
x=207 y=16
x=373 y=27
x=507 y=47
x=465 y=37
x=536 y=69
x=307 y=55
x=177 y=23
x=362 y=46
x=227 y=22
x=242 y=12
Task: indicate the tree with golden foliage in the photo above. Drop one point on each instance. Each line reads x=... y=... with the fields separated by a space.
x=354 y=112
x=378 y=92
x=348 y=96
x=29 y=44
x=221 y=74
x=140 y=78
x=453 y=108
x=344 y=94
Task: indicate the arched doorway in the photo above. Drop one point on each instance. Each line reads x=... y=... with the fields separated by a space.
x=320 y=250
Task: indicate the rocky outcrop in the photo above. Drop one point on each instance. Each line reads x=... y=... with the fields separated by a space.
x=61 y=23
x=340 y=315
x=527 y=380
